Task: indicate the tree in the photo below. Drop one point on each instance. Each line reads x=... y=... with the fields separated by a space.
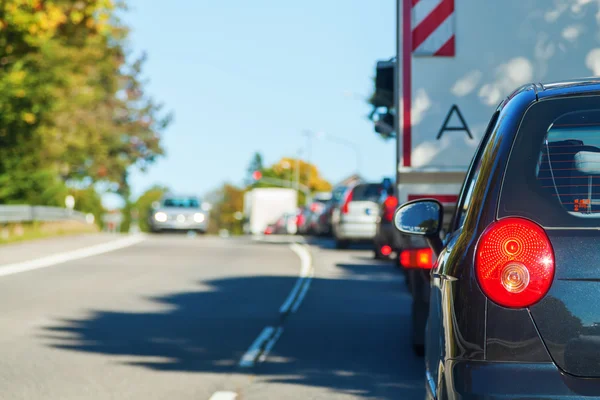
x=143 y=205
x=284 y=171
x=72 y=108
x=227 y=200
x=256 y=164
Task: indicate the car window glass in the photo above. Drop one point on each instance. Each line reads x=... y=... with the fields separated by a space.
x=181 y=203
x=466 y=196
x=367 y=192
x=568 y=166
x=337 y=194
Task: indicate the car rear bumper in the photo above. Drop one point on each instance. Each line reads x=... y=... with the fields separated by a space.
x=355 y=231
x=473 y=380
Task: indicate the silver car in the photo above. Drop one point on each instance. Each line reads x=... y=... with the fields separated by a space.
x=355 y=217
x=178 y=213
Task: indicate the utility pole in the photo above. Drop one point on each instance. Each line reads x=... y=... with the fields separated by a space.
x=308 y=135
x=298 y=170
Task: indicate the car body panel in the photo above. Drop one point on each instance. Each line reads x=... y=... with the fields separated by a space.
x=360 y=220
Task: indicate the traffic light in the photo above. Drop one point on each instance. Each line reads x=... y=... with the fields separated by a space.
x=384 y=84
x=256 y=175
x=384 y=125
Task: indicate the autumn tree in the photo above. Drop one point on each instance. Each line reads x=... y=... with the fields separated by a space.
x=227 y=201
x=72 y=107
x=283 y=174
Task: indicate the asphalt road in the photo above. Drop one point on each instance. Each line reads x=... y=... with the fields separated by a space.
x=176 y=317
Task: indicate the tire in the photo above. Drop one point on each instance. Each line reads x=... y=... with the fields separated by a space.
x=341 y=244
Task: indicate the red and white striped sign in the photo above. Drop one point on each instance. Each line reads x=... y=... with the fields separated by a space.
x=433 y=28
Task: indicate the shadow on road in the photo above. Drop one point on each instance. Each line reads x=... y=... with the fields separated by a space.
x=347 y=337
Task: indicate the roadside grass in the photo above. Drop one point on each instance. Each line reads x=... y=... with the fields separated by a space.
x=11 y=233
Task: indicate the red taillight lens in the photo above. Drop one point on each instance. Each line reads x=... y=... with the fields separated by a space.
x=386 y=250
x=417 y=258
x=346 y=202
x=390 y=204
x=514 y=262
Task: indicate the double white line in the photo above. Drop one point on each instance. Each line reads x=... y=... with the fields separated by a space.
x=307 y=272
x=260 y=348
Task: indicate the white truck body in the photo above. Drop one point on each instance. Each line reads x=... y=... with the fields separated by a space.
x=263 y=206
x=499 y=46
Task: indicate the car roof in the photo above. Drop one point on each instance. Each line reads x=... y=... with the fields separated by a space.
x=554 y=89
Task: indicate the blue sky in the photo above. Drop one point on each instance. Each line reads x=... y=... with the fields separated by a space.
x=245 y=76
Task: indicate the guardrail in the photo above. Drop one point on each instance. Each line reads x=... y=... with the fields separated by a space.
x=25 y=213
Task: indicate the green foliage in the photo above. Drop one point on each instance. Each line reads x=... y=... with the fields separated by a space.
x=88 y=201
x=143 y=205
x=227 y=200
x=71 y=107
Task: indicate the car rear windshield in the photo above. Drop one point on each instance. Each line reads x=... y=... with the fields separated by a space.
x=181 y=202
x=553 y=174
x=367 y=192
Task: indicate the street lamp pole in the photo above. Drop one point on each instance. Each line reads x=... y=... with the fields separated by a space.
x=308 y=135
x=298 y=169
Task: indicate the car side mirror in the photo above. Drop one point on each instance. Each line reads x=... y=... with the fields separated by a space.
x=422 y=218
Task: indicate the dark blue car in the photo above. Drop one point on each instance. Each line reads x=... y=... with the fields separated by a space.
x=514 y=305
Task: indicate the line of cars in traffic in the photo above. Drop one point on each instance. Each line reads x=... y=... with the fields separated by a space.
x=505 y=281
x=357 y=212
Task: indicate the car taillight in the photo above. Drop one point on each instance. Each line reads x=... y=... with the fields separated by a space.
x=514 y=262
x=390 y=204
x=417 y=258
x=386 y=250
x=346 y=202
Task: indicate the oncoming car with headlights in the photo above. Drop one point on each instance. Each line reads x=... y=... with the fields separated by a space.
x=178 y=213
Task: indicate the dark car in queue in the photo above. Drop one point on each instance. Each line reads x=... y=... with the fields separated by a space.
x=387 y=239
x=324 y=224
x=514 y=308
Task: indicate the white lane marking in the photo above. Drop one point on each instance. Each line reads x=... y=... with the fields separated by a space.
x=305 y=270
x=303 y=292
x=270 y=344
x=223 y=396
x=250 y=356
x=43 y=262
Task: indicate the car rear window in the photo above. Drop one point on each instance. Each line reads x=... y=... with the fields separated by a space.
x=553 y=173
x=367 y=192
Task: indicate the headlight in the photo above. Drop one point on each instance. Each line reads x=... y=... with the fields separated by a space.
x=160 y=216
x=198 y=217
